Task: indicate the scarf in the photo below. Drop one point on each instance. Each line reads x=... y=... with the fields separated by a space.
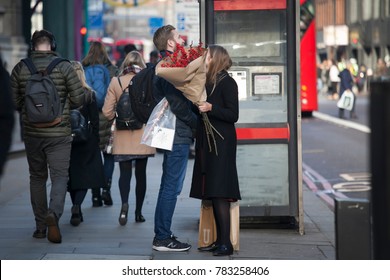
x=130 y=69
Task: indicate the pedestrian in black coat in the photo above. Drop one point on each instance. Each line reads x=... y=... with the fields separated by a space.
x=6 y=115
x=346 y=83
x=97 y=54
x=215 y=173
x=86 y=166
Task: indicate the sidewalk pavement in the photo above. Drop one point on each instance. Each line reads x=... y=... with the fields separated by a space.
x=100 y=237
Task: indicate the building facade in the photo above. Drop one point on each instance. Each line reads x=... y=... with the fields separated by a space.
x=354 y=29
x=13 y=46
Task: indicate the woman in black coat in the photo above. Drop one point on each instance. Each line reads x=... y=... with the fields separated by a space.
x=215 y=173
x=86 y=166
x=6 y=115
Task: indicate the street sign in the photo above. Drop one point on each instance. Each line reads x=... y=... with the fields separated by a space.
x=95 y=20
x=155 y=23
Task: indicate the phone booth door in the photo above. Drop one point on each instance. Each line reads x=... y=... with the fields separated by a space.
x=261 y=38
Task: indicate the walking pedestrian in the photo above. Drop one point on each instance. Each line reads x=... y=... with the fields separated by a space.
x=215 y=174
x=48 y=146
x=175 y=161
x=126 y=50
x=97 y=56
x=127 y=147
x=153 y=58
x=334 y=80
x=346 y=83
x=86 y=166
x=7 y=118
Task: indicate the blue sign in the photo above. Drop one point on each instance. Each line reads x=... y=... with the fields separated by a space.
x=181 y=26
x=95 y=20
x=155 y=23
x=181 y=17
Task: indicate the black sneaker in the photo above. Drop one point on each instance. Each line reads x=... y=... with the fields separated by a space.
x=170 y=245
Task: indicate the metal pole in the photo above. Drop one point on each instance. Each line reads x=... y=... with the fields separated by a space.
x=86 y=24
x=380 y=167
x=334 y=27
x=78 y=8
x=293 y=59
x=209 y=19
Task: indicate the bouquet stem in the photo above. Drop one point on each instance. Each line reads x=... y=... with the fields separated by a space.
x=210 y=129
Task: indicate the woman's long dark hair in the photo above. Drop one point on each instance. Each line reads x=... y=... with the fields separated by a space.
x=220 y=61
x=97 y=54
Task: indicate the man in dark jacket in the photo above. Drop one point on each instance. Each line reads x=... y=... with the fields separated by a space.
x=48 y=146
x=175 y=161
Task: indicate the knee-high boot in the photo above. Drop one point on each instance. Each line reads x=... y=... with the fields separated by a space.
x=96 y=198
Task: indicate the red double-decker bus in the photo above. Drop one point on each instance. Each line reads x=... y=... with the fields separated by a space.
x=309 y=102
x=115 y=48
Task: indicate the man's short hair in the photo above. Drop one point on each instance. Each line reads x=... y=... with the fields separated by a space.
x=42 y=37
x=162 y=35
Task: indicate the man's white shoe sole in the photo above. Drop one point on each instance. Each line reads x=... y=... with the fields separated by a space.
x=166 y=249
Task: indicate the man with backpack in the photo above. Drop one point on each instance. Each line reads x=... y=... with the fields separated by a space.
x=45 y=88
x=175 y=162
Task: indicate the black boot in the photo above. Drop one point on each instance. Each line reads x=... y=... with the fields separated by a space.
x=123 y=214
x=77 y=217
x=139 y=218
x=106 y=194
x=96 y=198
x=223 y=250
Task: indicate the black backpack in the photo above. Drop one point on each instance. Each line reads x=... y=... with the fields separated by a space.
x=80 y=126
x=141 y=93
x=42 y=101
x=125 y=118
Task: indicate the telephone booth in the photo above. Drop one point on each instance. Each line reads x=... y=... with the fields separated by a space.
x=262 y=38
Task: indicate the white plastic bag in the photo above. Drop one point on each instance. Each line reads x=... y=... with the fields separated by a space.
x=160 y=129
x=346 y=100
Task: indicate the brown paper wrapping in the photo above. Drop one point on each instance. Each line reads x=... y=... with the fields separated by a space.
x=207 y=227
x=190 y=80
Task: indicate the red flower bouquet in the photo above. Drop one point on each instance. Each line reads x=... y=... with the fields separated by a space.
x=186 y=70
x=182 y=56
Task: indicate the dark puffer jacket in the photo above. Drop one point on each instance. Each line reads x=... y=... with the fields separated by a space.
x=104 y=123
x=186 y=120
x=68 y=86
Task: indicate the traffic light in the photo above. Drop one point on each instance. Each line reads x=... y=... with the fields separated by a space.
x=83 y=31
x=84 y=41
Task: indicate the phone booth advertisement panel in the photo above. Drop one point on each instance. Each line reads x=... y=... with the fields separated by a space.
x=262 y=39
